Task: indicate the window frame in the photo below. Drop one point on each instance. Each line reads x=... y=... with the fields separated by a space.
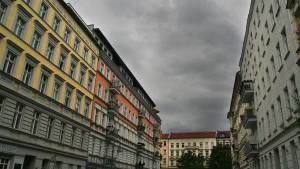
x=55 y=26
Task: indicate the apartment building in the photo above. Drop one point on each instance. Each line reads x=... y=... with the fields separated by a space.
x=124 y=118
x=200 y=143
x=270 y=79
x=58 y=109
x=164 y=150
x=223 y=138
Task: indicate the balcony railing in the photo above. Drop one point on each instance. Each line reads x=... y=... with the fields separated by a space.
x=140 y=147
x=115 y=87
x=234 y=132
x=141 y=129
x=111 y=132
x=290 y=4
x=142 y=113
x=113 y=108
x=247 y=91
x=156 y=155
x=251 y=148
x=190 y=147
x=249 y=119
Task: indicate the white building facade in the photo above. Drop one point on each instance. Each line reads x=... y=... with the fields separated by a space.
x=270 y=73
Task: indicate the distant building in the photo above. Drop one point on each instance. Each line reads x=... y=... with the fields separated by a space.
x=199 y=143
x=223 y=138
x=264 y=111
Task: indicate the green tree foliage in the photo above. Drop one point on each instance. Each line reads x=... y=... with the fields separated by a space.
x=190 y=161
x=220 y=157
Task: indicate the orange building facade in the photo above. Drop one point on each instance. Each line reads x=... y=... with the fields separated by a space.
x=125 y=125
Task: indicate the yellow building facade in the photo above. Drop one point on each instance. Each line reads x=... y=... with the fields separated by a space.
x=49 y=117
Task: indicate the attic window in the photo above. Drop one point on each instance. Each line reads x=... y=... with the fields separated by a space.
x=221 y=135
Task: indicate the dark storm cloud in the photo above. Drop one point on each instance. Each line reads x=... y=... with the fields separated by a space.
x=184 y=52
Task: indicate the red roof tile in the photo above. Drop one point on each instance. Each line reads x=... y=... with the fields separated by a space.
x=164 y=136
x=193 y=135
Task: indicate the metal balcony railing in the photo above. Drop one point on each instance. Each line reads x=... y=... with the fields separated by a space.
x=251 y=148
x=141 y=129
x=113 y=108
x=111 y=132
x=115 y=87
x=249 y=119
x=140 y=147
x=142 y=113
x=247 y=92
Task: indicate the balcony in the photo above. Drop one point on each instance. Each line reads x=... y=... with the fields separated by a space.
x=113 y=108
x=251 y=148
x=111 y=132
x=234 y=132
x=115 y=87
x=190 y=147
x=109 y=162
x=140 y=147
x=141 y=129
x=156 y=155
x=247 y=91
x=249 y=119
x=290 y=4
x=142 y=113
x=235 y=148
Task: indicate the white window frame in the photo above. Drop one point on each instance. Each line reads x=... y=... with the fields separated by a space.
x=19 y=109
x=43 y=11
x=56 y=23
x=35 y=122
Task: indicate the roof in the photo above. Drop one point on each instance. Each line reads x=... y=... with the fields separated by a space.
x=193 y=135
x=164 y=136
x=226 y=134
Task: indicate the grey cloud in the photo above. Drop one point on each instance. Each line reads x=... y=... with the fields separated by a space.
x=184 y=52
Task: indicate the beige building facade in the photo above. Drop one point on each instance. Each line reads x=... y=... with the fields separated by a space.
x=268 y=92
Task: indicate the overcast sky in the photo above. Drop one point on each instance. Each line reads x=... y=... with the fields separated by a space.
x=185 y=53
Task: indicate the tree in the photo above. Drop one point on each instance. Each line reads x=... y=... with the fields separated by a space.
x=190 y=161
x=220 y=157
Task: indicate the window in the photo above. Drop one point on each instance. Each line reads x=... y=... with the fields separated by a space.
x=49 y=127
x=35 y=122
x=67 y=35
x=295 y=93
x=280 y=108
x=62 y=132
x=172 y=153
x=182 y=145
x=164 y=161
x=164 y=143
x=81 y=77
x=85 y=54
x=27 y=2
x=43 y=11
x=93 y=60
x=43 y=83
x=4 y=163
x=90 y=81
x=73 y=132
x=17 y=116
x=3 y=8
x=61 y=62
x=50 y=51
x=68 y=98
x=76 y=45
x=99 y=90
x=102 y=67
x=27 y=75
x=9 y=62
x=279 y=53
x=108 y=73
x=77 y=103
x=172 y=145
x=19 y=27
x=201 y=145
x=106 y=95
x=72 y=69
x=287 y=99
x=86 y=108
x=1 y=103
x=93 y=144
x=56 y=91
x=82 y=139
x=172 y=162
x=55 y=24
